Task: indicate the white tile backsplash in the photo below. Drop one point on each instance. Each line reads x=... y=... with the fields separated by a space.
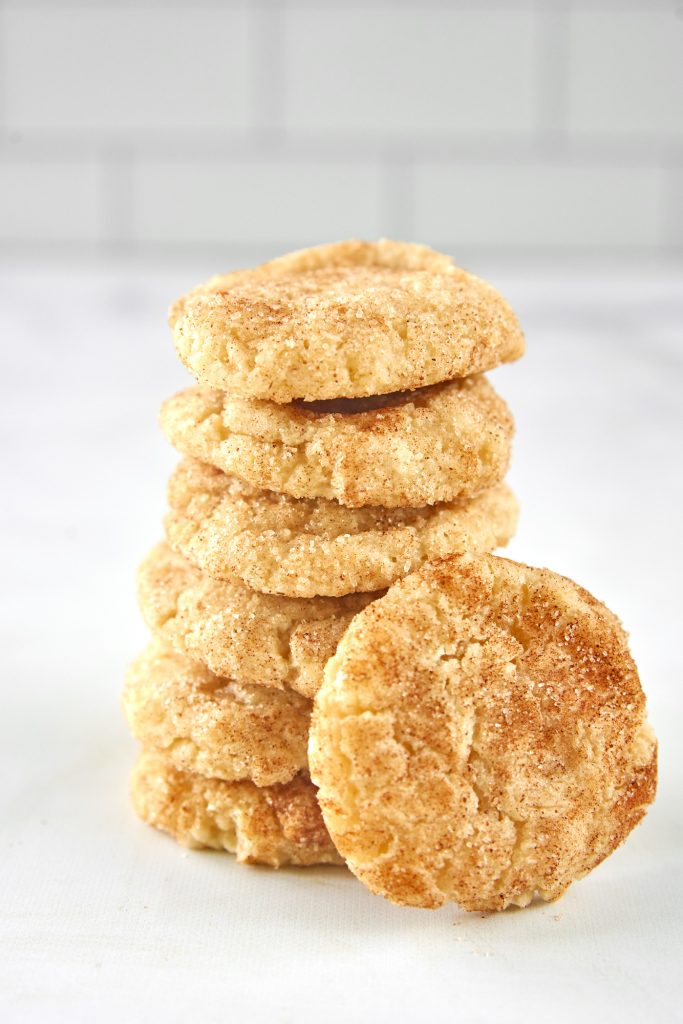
x=50 y=201
x=626 y=72
x=547 y=125
x=292 y=202
x=409 y=72
x=119 y=70
x=538 y=203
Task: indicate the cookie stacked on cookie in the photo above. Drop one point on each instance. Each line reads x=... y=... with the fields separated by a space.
x=341 y=434
x=478 y=732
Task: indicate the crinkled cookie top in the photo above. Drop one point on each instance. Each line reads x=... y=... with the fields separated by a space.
x=481 y=737
x=350 y=319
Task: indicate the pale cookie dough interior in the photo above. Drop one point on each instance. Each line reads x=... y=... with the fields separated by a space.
x=481 y=737
x=215 y=726
x=439 y=444
x=274 y=825
x=237 y=632
x=306 y=547
x=348 y=319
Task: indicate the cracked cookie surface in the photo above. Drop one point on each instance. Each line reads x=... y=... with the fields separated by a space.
x=345 y=320
x=273 y=825
x=481 y=737
x=237 y=632
x=303 y=547
x=442 y=443
x=215 y=726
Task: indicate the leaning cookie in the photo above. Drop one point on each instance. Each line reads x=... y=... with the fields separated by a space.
x=439 y=444
x=274 y=825
x=481 y=737
x=351 y=319
x=237 y=632
x=214 y=726
x=304 y=547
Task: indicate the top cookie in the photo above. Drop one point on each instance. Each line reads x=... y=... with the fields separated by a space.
x=349 y=320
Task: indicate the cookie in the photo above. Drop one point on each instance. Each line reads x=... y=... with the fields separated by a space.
x=481 y=737
x=273 y=825
x=345 y=320
x=238 y=633
x=445 y=442
x=214 y=726
x=304 y=547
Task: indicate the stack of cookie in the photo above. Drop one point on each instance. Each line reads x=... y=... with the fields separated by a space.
x=479 y=733
x=341 y=435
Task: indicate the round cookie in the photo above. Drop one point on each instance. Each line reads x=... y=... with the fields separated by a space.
x=237 y=632
x=214 y=726
x=345 y=320
x=481 y=737
x=439 y=444
x=307 y=547
x=272 y=825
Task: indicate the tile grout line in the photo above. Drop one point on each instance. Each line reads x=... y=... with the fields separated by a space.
x=670 y=210
x=551 y=72
x=397 y=197
x=181 y=248
x=183 y=145
x=117 y=223
x=266 y=77
x=4 y=127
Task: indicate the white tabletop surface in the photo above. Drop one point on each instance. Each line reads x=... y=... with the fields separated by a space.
x=103 y=919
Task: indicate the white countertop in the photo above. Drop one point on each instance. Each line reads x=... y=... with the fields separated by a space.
x=102 y=918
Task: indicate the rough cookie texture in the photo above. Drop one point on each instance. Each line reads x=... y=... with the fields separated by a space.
x=481 y=737
x=350 y=319
x=238 y=633
x=214 y=726
x=442 y=443
x=303 y=547
x=273 y=825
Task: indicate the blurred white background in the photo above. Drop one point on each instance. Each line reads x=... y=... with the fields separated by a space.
x=488 y=128
x=145 y=145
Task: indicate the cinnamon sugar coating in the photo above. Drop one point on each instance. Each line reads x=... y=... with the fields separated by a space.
x=215 y=726
x=274 y=825
x=481 y=737
x=344 y=320
x=442 y=443
x=237 y=632
x=311 y=546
